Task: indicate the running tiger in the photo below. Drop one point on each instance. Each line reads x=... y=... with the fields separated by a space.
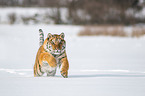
x=50 y=55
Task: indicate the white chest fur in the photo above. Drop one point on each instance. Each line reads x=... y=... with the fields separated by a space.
x=46 y=67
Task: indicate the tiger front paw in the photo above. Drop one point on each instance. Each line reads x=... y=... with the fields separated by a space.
x=64 y=73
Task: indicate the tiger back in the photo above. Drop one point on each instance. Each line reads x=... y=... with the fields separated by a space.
x=50 y=55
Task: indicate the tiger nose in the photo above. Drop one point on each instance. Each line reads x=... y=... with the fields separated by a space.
x=56 y=48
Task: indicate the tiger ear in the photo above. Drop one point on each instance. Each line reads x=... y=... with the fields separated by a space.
x=62 y=35
x=49 y=35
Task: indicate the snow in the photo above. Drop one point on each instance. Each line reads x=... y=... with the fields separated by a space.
x=99 y=66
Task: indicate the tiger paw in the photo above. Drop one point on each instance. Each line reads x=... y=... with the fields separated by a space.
x=64 y=74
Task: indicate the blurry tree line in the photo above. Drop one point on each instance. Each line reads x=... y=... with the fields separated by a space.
x=88 y=11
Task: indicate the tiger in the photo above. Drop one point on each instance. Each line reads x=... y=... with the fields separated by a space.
x=51 y=54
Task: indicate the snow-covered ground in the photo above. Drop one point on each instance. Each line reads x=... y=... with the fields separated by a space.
x=99 y=66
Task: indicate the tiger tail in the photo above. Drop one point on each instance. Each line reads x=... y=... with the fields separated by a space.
x=41 y=41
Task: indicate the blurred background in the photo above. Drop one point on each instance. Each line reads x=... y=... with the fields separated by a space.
x=82 y=12
x=117 y=13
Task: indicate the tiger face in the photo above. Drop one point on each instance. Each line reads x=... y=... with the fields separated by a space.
x=55 y=43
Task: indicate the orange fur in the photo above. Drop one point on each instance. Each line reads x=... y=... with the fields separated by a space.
x=43 y=55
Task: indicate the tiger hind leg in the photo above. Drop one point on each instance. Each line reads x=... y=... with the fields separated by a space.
x=37 y=72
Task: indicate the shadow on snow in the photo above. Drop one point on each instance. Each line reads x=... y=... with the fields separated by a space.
x=105 y=75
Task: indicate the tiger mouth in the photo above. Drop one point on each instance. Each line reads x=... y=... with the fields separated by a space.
x=56 y=54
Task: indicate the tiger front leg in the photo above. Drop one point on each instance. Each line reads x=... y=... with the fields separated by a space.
x=49 y=58
x=64 y=67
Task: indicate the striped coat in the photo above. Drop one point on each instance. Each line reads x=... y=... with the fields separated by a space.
x=50 y=55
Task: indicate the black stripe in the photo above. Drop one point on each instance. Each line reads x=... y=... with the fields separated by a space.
x=59 y=61
x=47 y=45
x=41 y=33
x=36 y=70
x=40 y=67
x=62 y=58
x=61 y=53
x=45 y=50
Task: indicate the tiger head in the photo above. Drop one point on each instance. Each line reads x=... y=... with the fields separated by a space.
x=55 y=44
